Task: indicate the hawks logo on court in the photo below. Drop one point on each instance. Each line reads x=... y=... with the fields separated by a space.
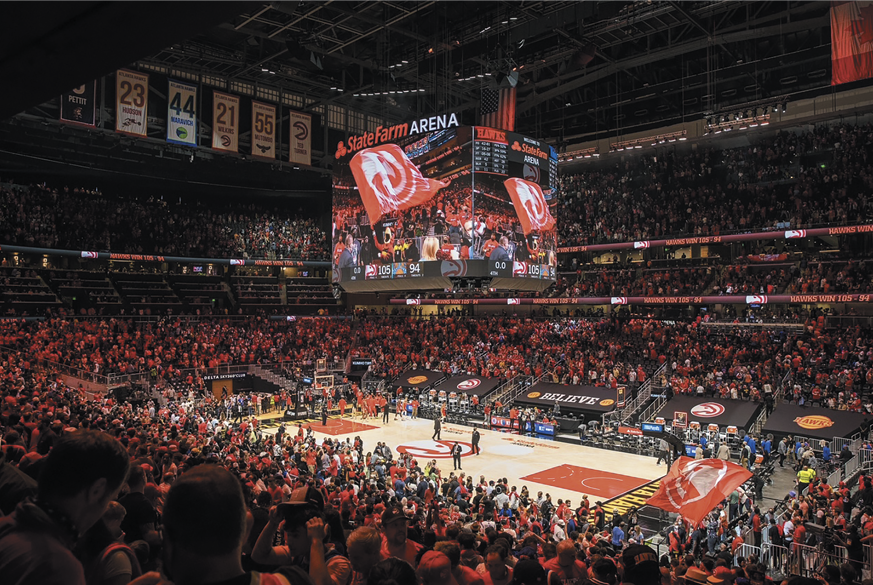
x=469 y=384
x=534 y=395
x=708 y=410
x=417 y=379
x=428 y=449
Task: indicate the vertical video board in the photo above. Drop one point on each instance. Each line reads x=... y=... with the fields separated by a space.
x=430 y=200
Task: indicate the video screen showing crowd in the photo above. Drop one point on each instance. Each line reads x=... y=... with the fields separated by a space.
x=459 y=201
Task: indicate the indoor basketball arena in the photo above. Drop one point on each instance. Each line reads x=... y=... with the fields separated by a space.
x=436 y=293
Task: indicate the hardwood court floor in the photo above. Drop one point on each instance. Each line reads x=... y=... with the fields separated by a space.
x=562 y=470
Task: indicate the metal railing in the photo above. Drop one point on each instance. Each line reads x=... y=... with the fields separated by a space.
x=643 y=395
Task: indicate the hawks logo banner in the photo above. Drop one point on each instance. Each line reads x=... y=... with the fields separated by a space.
x=263 y=130
x=300 y=150
x=694 y=487
x=851 y=41
x=182 y=113
x=131 y=102
x=77 y=105
x=225 y=122
x=530 y=205
x=388 y=181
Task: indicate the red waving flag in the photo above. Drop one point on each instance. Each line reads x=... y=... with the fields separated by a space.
x=693 y=487
x=530 y=205
x=388 y=181
x=851 y=41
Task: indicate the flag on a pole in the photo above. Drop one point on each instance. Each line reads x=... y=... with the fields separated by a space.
x=851 y=41
x=694 y=487
x=498 y=108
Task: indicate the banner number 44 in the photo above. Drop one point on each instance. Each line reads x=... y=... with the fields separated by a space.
x=176 y=105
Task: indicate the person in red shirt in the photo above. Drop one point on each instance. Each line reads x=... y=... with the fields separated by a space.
x=394 y=538
x=496 y=572
x=565 y=569
x=342 y=407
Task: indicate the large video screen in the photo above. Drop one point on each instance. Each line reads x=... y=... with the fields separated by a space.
x=412 y=211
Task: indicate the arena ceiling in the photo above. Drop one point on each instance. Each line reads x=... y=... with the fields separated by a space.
x=584 y=69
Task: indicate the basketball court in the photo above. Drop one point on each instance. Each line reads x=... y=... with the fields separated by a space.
x=602 y=485
x=563 y=470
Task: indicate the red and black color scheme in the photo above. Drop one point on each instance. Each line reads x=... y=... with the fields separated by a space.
x=739 y=413
x=818 y=423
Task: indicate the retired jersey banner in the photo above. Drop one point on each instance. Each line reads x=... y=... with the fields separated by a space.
x=78 y=105
x=131 y=102
x=263 y=130
x=182 y=113
x=851 y=41
x=225 y=122
x=300 y=149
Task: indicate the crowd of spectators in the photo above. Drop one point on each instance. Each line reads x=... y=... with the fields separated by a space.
x=77 y=219
x=99 y=492
x=167 y=347
x=711 y=191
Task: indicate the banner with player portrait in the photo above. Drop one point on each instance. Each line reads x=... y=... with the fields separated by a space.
x=300 y=148
x=131 y=102
x=225 y=122
x=78 y=104
x=182 y=113
x=263 y=130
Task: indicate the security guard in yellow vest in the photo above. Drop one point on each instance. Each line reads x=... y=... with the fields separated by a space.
x=804 y=478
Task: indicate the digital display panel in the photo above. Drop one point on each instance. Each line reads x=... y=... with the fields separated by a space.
x=458 y=201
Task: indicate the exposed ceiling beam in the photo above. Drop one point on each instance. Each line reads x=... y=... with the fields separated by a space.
x=669 y=52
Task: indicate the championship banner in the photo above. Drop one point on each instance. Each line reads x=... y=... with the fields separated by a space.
x=263 y=130
x=225 y=122
x=621 y=396
x=131 y=102
x=182 y=113
x=78 y=106
x=300 y=149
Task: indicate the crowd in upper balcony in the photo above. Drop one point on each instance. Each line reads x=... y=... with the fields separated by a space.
x=798 y=178
x=78 y=219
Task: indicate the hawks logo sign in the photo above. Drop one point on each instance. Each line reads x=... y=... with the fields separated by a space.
x=469 y=384
x=814 y=421
x=434 y=449
x=708 y=410
x=695 y=487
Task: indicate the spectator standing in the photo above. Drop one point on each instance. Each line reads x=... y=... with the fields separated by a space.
x=82 y=474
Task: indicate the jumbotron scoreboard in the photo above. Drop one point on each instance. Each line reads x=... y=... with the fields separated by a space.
x=417 y=206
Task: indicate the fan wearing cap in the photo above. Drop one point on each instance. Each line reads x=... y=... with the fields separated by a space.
x=394 y=540
x=565 y=569
x=435 y=568
x=306 y=540
x=639 y=565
